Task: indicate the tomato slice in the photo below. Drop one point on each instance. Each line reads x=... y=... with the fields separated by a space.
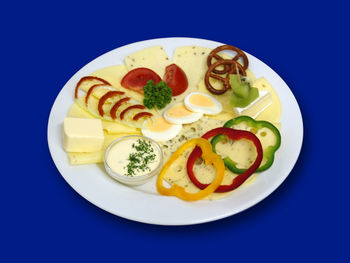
x=137 y=78
x=176 y=79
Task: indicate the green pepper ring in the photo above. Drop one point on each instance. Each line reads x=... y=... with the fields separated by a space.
x=268 y=154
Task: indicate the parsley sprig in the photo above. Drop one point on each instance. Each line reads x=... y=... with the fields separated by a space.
x=141 y=158
x=157 y=95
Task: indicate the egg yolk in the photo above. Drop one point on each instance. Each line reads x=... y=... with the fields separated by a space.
x=178 y=111
x=160 y=125
x=201 y=100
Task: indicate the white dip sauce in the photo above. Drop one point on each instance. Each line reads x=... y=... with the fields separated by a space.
x=133 y=157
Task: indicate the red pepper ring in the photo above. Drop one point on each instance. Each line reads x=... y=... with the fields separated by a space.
x=234 y=135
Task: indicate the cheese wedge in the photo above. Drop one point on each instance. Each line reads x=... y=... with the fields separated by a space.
x=154 y=58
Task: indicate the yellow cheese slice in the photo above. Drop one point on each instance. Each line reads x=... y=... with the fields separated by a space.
x=93 y=157
x=114 y=75
x=86 y=85
x=273 y=112
x=223 y=116
x=154 y=58
x=98 y=92
x=193 y=61
x=189 y=131
x=77 y=112
x=110 y=127
x=115 y=128
x=85 y=158
x=241 y=151
x=126 y=121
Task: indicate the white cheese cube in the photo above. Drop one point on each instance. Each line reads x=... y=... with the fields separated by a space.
x=257 y=106
x=82 y=135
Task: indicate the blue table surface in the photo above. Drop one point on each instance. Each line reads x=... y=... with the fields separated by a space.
x=43 y=44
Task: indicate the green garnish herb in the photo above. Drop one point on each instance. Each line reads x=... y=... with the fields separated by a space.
x=141 y=158
x=156 y=95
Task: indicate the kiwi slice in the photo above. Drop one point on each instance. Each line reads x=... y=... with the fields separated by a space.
x=243 y=94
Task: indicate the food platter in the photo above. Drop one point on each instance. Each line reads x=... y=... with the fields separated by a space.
x=143 y=203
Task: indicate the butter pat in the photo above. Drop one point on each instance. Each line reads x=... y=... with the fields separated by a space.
x=82 y=135
x=257 y=106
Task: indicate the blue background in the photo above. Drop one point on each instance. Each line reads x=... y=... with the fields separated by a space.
x=44 y=43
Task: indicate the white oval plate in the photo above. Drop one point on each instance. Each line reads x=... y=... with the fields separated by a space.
x=144 y=204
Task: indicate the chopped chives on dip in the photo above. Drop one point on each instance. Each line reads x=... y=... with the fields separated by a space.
x=133 y=157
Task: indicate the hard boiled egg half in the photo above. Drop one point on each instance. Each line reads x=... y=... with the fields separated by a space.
x=161 y=130
x=179 y=114
x=202 y=103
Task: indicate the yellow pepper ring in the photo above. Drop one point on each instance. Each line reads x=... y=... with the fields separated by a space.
x=208 y=156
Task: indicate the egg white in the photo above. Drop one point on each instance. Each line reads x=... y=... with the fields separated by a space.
x=216 y=109
x=173 y=130
x=193 y=117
